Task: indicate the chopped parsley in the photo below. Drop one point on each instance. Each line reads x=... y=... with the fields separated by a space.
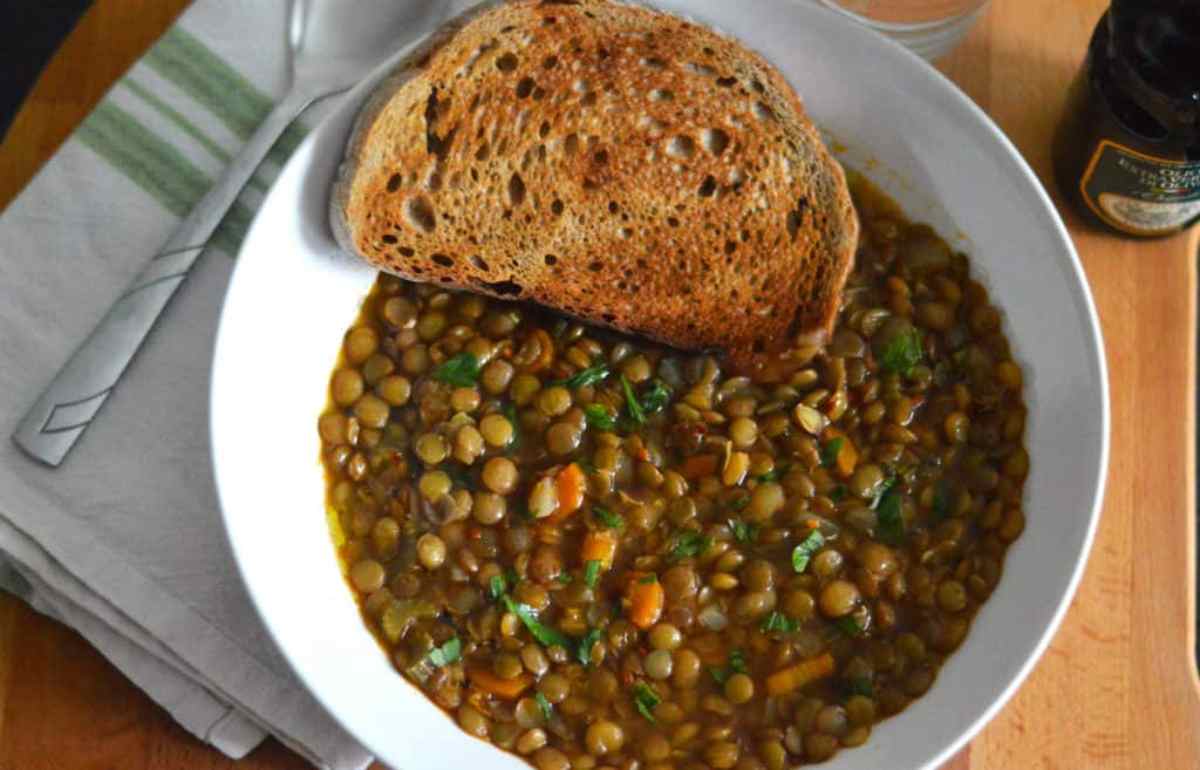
x=838 y=494
x=591 y=573
x=777 y=622
x=446 y=654
x=884 y=488
x=848 y=625
x=737 y=665
x=584 y=377
x=544 y=634
x=510 y=412
x=648 y=579
x=687 y=544
x=774 y=474
x=497 y=587
x=607 y=518
x=739 y=503
x=565 y=578
x=806 y=549
x=584 y=653
x=462 y=370
x=631 y=402
x=598 y=417
x=656 y=397
x=891 y=518
x=653 y=400
x=645 y=699
x=743 y=532
x=902 y=352
x=831 y=450
x=545 y=705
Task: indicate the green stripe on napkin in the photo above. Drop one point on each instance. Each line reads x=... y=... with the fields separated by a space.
x=182 y=59
x=158 y=168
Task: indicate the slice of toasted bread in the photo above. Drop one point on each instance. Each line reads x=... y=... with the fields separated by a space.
x=616 y=163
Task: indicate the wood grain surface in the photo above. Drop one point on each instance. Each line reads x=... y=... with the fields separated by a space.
x=1117 y=690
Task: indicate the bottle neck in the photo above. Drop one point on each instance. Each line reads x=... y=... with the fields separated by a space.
x=1154 y=57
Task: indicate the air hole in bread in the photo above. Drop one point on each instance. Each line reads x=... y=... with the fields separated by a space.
x=516 y=190
x=525 y=87
x=504 y=288
x=571 y=144
x=626 y=232
x=394 y=182
x=613 y=208
x=479 y=263
x=683 y=147
x=651 y=124
x=654 y=63
x=596 y=267
x=588 y=99
x=419 y=213
x=405 y=251
x=483 y=151
x=601 y=157
x=443 y=260
x=389 y=239
x=762 y=111
x=757 y=85
x=703 y=70
x=544 y=129
x=556 y=207
x=661 y=95
x=714 y=140
x=707 y=187
x=550 y=62
x=729 y=82
x=551 y=260
x=730 y=247
x=672 y=221
x=506 y=62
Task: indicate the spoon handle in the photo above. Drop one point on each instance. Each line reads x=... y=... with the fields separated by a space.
x=70 y=402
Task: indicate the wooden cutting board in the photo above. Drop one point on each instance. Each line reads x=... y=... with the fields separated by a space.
x=1117 y=689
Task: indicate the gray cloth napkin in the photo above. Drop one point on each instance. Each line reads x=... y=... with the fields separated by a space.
x=124 y=541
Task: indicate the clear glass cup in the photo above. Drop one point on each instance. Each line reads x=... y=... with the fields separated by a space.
x=930 y=28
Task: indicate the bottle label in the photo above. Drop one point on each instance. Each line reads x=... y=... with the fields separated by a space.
x=1140 y=194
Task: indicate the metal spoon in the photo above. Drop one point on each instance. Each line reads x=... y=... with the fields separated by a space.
x=332 y=43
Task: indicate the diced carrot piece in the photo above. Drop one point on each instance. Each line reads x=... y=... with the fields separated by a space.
x=508 y=689
x=646 y=599
x=698 y=466
x=794 y=677
x=569 y=485
x=600 y=546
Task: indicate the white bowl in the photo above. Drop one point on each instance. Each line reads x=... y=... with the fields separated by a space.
x=293 y=295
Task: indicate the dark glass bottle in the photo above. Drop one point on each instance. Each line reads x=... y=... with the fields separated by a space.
x=1127 y=150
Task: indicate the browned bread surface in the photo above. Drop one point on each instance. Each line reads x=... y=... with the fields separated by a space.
x=620 y=164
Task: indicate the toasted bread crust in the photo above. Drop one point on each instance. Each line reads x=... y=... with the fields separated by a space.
x=616 y=163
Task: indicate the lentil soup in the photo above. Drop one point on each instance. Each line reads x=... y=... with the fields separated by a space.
x=598 y=552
